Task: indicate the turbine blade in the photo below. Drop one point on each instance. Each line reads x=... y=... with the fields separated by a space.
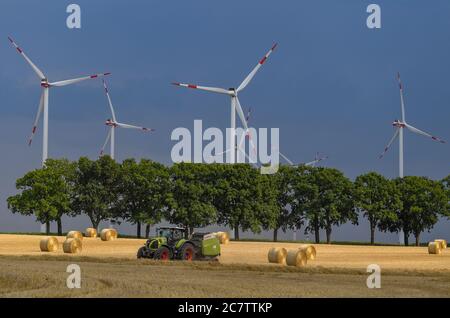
x=390 y=143
x=250 y=76
x=402 y=100
x=109 y=101
x=241 y=114
x=287 y=159
x=134 y=127
x=36 y=120
x=77 y=80
x=420 y=132
x=204 y=88
x=33 y=66
x=106 y=142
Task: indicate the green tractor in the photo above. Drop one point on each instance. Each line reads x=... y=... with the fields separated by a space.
x=170 y=244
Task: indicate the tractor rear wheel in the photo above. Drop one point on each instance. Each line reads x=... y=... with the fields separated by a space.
x=187 y=252
x=163 y=253
x=140 y=252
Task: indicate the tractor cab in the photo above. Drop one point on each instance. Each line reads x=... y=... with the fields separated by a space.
x=171 y=233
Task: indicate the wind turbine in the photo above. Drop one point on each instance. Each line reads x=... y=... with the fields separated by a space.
x=245 y=135
x=113 y=124
x=43 y=104
x=400 y=125
x=312 y=163
x=235 y=104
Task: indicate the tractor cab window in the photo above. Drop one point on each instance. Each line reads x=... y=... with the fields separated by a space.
x=164 y=233
x=177 y=235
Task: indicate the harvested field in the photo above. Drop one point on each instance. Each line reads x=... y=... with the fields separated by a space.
x=110 y=269
x=255 y=253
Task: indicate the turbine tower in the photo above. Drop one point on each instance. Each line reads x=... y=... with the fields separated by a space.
x=113 y=124
x=235 y=104
x=43 y=104
x=400 y=125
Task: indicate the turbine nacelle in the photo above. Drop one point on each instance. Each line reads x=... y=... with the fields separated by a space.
x=110 y=123
x=397 y=123
x=45 y=83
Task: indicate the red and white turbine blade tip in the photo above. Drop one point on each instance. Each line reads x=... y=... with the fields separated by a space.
x=263 y=60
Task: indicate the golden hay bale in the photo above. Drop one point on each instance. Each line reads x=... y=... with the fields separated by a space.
x=49 y=244
x=72 y=246
x=224 y=237
x=75 y=234
x=310 y=251
x=296 y=258
x=277 y=255
x=90 y=232
x=108 y=234
x=443 y=243
x=434 y=248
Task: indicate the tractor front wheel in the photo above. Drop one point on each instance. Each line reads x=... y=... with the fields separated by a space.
x=187 y=252
x=163 y=254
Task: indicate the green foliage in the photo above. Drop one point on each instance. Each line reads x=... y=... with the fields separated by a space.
x=244 y=198
x=45 y=193
x=190 y=203
x=424 y=200
x=144 y=189
x=324 y=195
x=379 y=200
x=238 y=196
x=96 y=190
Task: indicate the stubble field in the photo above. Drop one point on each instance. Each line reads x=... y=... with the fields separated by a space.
x=111 y=269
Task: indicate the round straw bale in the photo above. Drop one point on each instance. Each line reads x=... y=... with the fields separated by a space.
x=310 y=251
x=224 y=237
x=277 y=255
x=443 y=243
x=296 y=258
x=75 y=234
x=49 y=244
x=108 y=234
x=90 y=232
x=72 y=246
x=434 y=248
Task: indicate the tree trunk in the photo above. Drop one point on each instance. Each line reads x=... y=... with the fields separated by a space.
x=147 y=231
x=275 y=235
x=47 y=227
x=417 y=235
x=372 y=233
x=59 y=226
x=317 y=232
x=236 y=232
x=138 y=229
x=328 y=230
x=95 y=223
x=406 y=236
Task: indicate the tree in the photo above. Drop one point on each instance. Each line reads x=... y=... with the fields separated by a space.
x=330 y=202
x=424 y=200
x=190 y=202
x=96 y=188
x=244 y=198
x=304 y=208
x=379 y=200
x=45 y=193
x=284 y=199
x=143 y=190
x=446 y=185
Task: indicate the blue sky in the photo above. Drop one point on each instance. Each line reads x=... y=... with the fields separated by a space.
x=330 y=86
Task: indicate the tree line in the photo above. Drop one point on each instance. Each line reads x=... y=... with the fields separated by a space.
x=236 y=196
